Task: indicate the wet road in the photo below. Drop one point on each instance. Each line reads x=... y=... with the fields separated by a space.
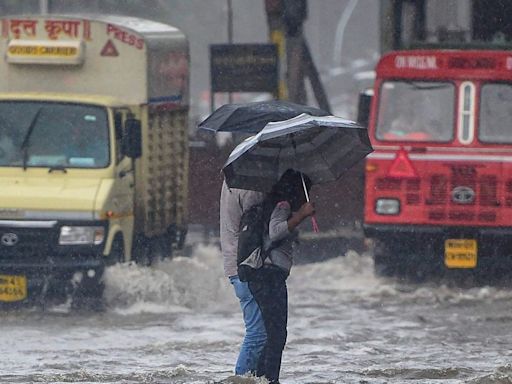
x=178 y=322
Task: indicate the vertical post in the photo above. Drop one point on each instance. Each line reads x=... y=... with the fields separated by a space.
x=274 y=10
x=294 y=15
x=285 y=23
x=230 y=35
x=340 y=33
x=296 y=74
x=387 y=25
x=44 y=6
x=314 y=79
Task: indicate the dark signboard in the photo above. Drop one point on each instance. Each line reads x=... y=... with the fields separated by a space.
x=244 y=67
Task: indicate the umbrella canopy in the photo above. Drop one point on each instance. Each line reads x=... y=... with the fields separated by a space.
x=252 y=117
x=321 y=147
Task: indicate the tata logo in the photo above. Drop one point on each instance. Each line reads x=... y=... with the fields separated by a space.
x=9 y=239
x=463 y=195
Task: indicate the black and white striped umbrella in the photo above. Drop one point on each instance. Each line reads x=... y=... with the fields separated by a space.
x=323 y=148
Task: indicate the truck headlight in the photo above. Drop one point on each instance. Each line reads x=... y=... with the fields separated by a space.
x=387 y=206
x=71 y=235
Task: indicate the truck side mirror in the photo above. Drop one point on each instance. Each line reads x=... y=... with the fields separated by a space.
x=363 y=109
x=132 y=138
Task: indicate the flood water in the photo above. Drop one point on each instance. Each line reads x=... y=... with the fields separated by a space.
x=178 y=322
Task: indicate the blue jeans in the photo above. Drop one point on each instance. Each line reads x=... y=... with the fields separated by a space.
x=255 y=335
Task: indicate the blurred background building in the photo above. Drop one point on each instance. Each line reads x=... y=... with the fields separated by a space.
x=342 y=34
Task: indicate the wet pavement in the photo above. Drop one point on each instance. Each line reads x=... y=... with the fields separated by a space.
x=178 y=322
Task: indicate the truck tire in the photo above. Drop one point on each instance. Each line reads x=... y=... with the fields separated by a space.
x=385 y=260
x=88 y=294
x=116 y=252
x=162 y=247
x=142 y=252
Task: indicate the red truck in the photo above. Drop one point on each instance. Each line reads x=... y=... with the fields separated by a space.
x=438 y=187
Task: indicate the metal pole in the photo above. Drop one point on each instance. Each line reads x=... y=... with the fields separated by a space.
x=230 y=34
x=314 y=79
x=277 y=37
x=230 y=21
x=340 y=32
x=44 y=6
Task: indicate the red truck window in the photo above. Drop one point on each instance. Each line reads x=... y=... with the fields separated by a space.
x=496 y=113
x=416 y=111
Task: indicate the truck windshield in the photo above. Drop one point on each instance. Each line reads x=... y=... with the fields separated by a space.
x=37 y=134
x=495 y=113
x=416 y=111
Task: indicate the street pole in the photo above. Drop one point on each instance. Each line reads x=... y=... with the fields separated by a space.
x=230 y=35
x=44 y=7
x=285 y=23
x=340 y=32
x=274 y=10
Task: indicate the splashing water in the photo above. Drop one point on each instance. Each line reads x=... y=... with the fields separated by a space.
x=172 y=285
x=178 y=322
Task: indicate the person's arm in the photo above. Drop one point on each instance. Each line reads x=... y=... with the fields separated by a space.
x=307 y=209
x=230 y=214
x=282 y=225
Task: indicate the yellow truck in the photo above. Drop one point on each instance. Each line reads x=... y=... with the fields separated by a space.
x=93 y=149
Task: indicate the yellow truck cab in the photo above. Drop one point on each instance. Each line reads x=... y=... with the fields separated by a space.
x=93 y=148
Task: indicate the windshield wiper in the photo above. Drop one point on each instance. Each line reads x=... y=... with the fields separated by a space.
x=59 y=168
x=24 y=144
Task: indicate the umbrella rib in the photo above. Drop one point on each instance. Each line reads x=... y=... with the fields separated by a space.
x=326 y=161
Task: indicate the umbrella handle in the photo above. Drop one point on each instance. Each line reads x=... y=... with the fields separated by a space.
x=313 y=218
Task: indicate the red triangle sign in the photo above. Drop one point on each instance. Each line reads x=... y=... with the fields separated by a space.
x=109 y=49
x=402 y=166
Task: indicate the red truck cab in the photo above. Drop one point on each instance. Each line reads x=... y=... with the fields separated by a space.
x=438 y=186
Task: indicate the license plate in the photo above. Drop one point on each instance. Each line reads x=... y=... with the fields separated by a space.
x=13 y=288
x=460 y=253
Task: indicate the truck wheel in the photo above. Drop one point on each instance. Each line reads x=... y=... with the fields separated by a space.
x=116 y=252
x=385 y=260
x=88 y=292
x=142 y=251
x=162 y=247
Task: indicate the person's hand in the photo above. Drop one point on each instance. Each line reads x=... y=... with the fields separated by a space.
x=307 y=209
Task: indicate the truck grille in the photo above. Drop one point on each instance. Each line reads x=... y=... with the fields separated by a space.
x=412 y=188
x=388 y=184
x=488 y=195
x=483 y=187
x=438 y=195
x=30 y=242
x=487 y=191
x=438 y=190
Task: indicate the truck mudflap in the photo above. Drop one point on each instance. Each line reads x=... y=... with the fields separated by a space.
x=417 y=251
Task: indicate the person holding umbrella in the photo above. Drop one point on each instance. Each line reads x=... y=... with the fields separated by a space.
x=233 y=202
x=247 y=118
x=290 y=141
x=286 y=158
x=268 y=285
